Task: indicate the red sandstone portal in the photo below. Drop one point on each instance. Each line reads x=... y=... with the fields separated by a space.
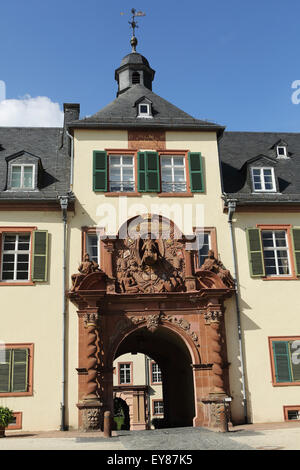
x=149 y=299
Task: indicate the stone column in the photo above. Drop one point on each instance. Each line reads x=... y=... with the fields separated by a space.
x=217 y=406
x=90 y=406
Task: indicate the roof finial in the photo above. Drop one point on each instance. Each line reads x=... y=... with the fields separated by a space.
x=134 y=25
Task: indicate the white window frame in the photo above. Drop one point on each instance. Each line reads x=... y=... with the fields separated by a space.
x=156 y=374
x=148 y=114
x=122 y=166
x=262 y=180
x=88 y=246
x=16 y=253
x=276 y=249
x=285 y=151
x=125 y=365
x=22 y=165
x=173 y=183
x=160 y=407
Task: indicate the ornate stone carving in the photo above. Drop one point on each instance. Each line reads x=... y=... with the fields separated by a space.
x=213 y=316
x=86 y=267
x=153 y=321
x=216 y=266
x=149 y=266
x=92 y=418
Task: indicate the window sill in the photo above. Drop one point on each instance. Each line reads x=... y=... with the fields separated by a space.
x=280 y=278
x=120 y=194
x=286 y=384
x=16 y=394
x=183 y=194
x=29 y=283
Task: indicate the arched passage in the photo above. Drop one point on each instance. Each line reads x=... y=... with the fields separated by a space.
x=169 y=350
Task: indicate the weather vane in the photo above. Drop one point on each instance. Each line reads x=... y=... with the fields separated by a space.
x=134 y=25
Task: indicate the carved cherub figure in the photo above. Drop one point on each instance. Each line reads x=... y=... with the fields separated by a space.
x=217 y=267
x=86 y=267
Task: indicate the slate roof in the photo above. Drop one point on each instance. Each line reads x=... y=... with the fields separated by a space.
x=237 y=148
x=42 y=142
x=122 y=113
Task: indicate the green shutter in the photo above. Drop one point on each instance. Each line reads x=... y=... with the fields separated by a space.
x=196 y=172
x=296 y=246
x=294 y=347
x=148 y=172
x=282 y=361
x=141 y=172
x=5 y=360
x=40 y=255
x=255 y=252
x=99 y=171
x=19 y=370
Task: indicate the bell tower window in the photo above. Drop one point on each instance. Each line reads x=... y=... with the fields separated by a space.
x=136 y=79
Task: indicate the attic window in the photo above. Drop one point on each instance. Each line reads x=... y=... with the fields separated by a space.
x=22 y=176
x=144 y=110
x=135 y=78
x=281 y=151
x=263 y=179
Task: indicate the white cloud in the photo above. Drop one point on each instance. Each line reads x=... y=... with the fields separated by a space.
x=28 y=111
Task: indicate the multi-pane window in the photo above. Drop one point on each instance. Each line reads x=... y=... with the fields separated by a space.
x=263 y=179
x=121 y=173
x=203 y=244
x=156 y=373
x=92 y=247
x=22 y=177
x=125 y=373
x=276 y=252
x=158 y=407
x=286 y=360
x=173 y=177
x=15 y=257
x=14 y=370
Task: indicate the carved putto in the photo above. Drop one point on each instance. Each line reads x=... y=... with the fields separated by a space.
x=86 y=267
x=216 y=266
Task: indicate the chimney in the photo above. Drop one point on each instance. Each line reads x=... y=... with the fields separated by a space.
x=71 y=112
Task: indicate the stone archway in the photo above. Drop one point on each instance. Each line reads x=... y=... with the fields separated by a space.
x=149 y=283
x=168 y=349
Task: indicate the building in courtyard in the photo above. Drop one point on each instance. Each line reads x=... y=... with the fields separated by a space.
x=138 y=232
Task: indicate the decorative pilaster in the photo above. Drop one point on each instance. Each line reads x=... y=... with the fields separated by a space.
x=91 y=320
x=214 y=318
x=108 y=268
x=190 y=281
x=91 y=406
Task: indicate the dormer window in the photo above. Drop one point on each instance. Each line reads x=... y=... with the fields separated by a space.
x=23 y=172
x=144 y=110
x=263 y=179
x=22 y=176
x=281 y=151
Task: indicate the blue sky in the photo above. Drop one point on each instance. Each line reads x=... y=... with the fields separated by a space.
x=231 y=61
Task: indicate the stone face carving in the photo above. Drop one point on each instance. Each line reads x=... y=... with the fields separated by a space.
x=216 y=266
x=92 y=418
x=149 y=266
x=86 y=267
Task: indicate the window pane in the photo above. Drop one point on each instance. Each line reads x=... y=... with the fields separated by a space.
x=16 y=177
x=28 y=177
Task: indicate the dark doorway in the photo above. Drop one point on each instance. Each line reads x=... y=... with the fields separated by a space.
x=121 y=414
